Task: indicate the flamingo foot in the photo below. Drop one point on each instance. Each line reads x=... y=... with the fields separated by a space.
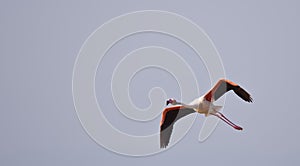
x=238 y=127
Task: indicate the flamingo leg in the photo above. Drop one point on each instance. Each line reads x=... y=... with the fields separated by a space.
x=222 y=117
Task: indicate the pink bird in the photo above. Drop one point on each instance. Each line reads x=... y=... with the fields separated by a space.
x=203 y=105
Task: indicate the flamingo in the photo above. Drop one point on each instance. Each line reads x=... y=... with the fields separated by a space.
x=203 y=105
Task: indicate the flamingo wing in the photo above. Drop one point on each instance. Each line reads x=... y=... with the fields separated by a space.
x=169 y=117
x=223 y=86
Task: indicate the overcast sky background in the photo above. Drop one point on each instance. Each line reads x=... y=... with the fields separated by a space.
x=258 y=42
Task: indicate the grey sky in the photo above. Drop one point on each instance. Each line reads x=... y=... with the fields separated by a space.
x=257 y=41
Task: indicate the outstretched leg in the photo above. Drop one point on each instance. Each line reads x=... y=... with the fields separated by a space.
x=221 y=116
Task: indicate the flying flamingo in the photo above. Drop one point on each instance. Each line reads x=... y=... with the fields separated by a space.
x=203 y=105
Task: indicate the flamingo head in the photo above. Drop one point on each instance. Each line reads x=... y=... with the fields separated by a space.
x=171 y=101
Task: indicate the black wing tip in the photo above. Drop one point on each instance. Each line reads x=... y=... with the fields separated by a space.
x=164 y=143
x=243 y=94
x=250 y=100
x=163 y=146
x=165 y=137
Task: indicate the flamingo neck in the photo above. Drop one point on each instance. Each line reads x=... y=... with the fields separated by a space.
x=185 y=105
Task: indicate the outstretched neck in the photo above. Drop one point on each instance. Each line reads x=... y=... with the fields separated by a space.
x=185 y=105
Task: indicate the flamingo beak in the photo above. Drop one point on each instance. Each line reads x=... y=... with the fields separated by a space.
x=167 y=103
